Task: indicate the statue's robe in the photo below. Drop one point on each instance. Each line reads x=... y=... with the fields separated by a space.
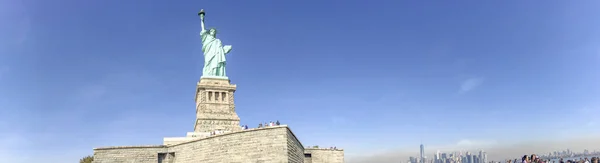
x=214 y=55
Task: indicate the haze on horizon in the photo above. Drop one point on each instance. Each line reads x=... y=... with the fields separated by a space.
x=374 y=78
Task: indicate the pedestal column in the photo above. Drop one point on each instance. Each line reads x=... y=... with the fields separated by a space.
x=215 y=108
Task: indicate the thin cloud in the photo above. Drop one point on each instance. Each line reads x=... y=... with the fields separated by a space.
x=591 y=123
x=337 y=120
x=470 y=84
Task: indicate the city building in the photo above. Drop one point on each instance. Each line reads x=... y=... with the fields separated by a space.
x=422 y=154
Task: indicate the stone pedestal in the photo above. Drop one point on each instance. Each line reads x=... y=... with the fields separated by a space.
x=215 y=109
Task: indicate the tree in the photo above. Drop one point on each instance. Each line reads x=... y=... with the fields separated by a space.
x=86 y=159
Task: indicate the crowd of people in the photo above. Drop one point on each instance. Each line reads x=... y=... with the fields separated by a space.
x=245 y=127
x=217 y=132
x=317 y=147
x=263 y=125
x=260 y=125
x=580 y=160
x=332 y=148
x=536 y=159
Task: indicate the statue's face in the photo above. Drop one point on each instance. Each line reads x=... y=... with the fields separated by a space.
x=212 y=32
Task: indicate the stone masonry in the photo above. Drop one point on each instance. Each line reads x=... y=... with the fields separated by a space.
x=275 y=144
x=319 y=155
x=215 y=109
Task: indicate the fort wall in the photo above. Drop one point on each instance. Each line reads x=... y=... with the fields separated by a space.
x=127 y=154
x=275 y=144
x=256 y=145
x=320 y=155
x=218 y=138
x=295 y=149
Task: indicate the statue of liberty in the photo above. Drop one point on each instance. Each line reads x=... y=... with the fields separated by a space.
x=214 y=52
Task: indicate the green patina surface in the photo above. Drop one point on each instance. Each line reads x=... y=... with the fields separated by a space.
x=214 y=52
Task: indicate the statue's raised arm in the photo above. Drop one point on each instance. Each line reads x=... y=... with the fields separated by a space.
x=201 y=14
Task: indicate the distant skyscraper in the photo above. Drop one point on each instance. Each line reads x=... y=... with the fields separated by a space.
x=422 y=153
x=480 y=157
x=413 y=160
x=469 y=158
x=485 y=159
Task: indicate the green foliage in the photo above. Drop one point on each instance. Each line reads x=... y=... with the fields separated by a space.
x=86 y=159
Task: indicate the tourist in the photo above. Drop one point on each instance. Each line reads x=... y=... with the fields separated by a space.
x=586 y=160
x=277 y=123
x=260 y=125
x=524 y=159
x=245 y=127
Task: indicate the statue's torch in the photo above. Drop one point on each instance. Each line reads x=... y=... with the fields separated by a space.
x=201 y=14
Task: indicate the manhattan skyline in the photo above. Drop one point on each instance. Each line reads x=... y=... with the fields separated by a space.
x=377 y=77
x=480 y=156
x=499 y=151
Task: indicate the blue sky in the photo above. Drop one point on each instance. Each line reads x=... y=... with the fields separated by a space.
x=359 y=75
